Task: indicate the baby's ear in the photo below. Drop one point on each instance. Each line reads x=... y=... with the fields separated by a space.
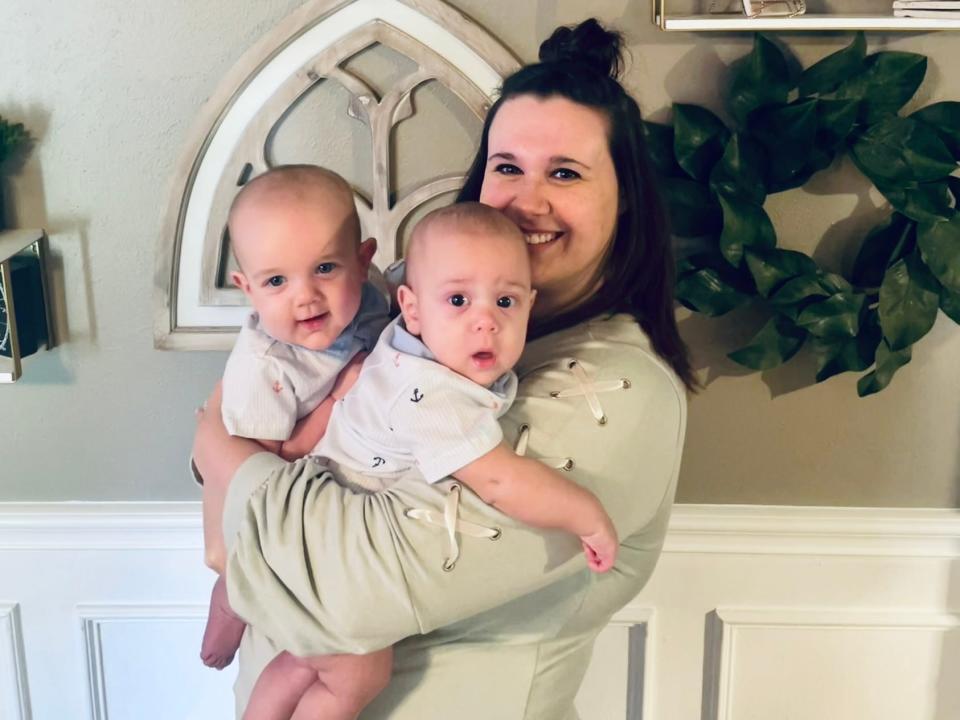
x=407 y=301
x=240 y=280
x=365 y=253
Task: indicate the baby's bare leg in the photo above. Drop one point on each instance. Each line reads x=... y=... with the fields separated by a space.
x=224 y=629
x=332 y=687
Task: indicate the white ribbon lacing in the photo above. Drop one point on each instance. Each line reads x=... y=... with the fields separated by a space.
x=449 y=519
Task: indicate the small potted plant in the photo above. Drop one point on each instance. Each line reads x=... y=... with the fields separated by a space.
x=13 y=139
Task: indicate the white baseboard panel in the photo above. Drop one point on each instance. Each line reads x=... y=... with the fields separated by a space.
x=752 y=612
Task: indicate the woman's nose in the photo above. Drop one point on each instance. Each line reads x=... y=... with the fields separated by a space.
x=531 y=199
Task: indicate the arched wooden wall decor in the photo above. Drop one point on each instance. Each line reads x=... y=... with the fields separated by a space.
x=229 y=142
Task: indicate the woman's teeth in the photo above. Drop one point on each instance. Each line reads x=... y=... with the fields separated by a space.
x=539 y=238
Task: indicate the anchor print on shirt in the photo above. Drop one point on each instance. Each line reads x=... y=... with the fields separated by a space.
x=378 y=461
x=417 y=396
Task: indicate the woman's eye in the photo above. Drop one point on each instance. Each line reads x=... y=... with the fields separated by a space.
x=566 y=174
x=326 y=268
x=457 y=300
x=507 y=169
x=505 y=302
x=275 y=281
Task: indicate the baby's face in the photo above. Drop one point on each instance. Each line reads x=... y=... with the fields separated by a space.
x=472 y=301
x=301 y=266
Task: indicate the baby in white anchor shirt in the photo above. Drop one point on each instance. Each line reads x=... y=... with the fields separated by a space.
x=428 y=397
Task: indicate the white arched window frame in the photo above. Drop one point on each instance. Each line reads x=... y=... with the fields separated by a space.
x=192 y=312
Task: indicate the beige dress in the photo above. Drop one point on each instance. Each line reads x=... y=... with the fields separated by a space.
x=507 y=633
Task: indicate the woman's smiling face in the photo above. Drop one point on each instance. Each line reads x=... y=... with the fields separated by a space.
x=549 y=170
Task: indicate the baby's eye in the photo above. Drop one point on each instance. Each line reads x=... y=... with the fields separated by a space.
x=457 y=300
x=275 y=281
x=326 y=268
x=505 y=302
x=507 y=169
x=566 y=174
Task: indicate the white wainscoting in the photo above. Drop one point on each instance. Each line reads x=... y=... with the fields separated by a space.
x=754 y=613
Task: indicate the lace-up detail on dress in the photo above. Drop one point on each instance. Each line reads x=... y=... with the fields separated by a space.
x=449 y=519
x=590 y=389
x=453 y=524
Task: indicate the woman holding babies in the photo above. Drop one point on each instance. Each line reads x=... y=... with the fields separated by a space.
x=507 y=633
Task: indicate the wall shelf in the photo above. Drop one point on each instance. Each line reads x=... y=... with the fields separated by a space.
x=732 y=22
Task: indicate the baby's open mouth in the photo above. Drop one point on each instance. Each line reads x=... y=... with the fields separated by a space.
x=484 y=359
x=316 y=322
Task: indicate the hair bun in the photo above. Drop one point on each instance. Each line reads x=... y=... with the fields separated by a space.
x=588 y=43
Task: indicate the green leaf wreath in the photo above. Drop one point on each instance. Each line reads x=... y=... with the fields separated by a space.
x=715 y=180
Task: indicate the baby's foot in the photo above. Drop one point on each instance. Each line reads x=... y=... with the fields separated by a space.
x=221 y=638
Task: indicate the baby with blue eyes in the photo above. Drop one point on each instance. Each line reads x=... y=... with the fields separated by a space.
x=295 y=234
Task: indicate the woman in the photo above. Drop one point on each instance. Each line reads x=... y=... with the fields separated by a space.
x=507 y=633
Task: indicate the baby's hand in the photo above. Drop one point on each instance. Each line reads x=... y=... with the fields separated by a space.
x=601 y=546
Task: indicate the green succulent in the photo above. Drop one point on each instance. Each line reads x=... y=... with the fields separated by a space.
x=715 y=180
x=13 y=136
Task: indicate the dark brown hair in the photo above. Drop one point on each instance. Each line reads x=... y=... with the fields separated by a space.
x=583 y=64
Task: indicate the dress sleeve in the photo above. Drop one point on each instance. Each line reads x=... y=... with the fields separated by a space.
x=259 y=399
x=319 y=569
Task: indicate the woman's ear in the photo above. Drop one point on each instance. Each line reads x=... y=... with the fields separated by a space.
x=407 y=301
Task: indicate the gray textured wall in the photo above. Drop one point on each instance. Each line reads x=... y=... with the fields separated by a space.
x=110 y=89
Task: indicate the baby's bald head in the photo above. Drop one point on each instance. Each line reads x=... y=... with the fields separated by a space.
x=481 y=223
x=287 y=188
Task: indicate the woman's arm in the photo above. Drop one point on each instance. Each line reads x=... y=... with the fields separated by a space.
x=319 y=569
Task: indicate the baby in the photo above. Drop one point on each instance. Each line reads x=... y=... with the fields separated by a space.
x=428 y=397
x=296 y=237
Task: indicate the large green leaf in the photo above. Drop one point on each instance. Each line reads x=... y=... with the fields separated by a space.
x=745 y=224
x=844 y=354
x=827 y=75
x=923 y=202
x=699 y=138
x=797 y=294
x=838 y=316
x=939 y=245
x=761 y=78
x=659 y=139
x=778 y=341
x=882 y=247
x=773 y=267
x=945 y=117
x=693 y=208
x=909 y=297
x=788 y=133
x=705 y=291
x=886 y=84
x=888 y=362
x=835 y=121
x=950 y=304
x=898 y=151
x=740 y=170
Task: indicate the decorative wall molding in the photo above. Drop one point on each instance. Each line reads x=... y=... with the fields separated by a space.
x=726 y=626
x=747 y=529
x=14 y=696
x=111 y=600
x=93 y=620
x=228 y=144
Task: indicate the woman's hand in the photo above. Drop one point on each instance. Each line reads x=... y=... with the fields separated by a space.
x=216 y=453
